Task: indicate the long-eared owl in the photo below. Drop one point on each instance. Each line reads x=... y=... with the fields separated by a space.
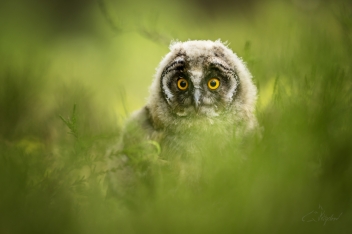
x=201 y=91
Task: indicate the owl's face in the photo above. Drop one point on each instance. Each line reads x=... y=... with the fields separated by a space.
x=201 y=83
x=198 y=86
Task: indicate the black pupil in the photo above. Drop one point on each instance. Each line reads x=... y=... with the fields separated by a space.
x=183 y=84
x=213 y=83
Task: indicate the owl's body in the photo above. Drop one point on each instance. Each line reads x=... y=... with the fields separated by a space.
x=200 y=89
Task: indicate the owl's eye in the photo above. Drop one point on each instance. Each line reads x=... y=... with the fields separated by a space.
x=213 y=83
x=182 y=84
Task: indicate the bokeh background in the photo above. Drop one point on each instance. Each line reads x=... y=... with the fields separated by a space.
x=91 y=62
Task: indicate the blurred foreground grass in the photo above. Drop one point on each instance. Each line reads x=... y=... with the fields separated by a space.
x=52 y=181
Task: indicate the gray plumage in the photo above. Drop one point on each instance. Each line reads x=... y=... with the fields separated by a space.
x=200 y=88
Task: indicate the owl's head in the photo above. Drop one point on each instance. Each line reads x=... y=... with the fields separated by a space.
x=201 y=81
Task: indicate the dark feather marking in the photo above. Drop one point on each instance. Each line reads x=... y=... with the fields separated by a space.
x=178 y=63
x=175 y=65
x=238 y=87
x=222 y=67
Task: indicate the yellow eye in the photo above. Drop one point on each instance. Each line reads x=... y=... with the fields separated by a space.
x=213 y=83
x=182 y=84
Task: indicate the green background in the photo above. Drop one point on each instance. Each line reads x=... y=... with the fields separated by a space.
x=101 y=56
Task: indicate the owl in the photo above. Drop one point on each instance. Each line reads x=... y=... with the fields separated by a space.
x=201 y=90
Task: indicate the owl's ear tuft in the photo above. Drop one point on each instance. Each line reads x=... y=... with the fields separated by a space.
x=174 y=43
x=222 y=43
x=219 y=41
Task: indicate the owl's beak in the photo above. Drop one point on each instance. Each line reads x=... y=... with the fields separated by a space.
x=197 y=95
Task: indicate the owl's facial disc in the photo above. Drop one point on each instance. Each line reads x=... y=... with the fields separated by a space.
x=196 y=87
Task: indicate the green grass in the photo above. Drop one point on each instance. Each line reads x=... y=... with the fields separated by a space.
x=65 y=94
